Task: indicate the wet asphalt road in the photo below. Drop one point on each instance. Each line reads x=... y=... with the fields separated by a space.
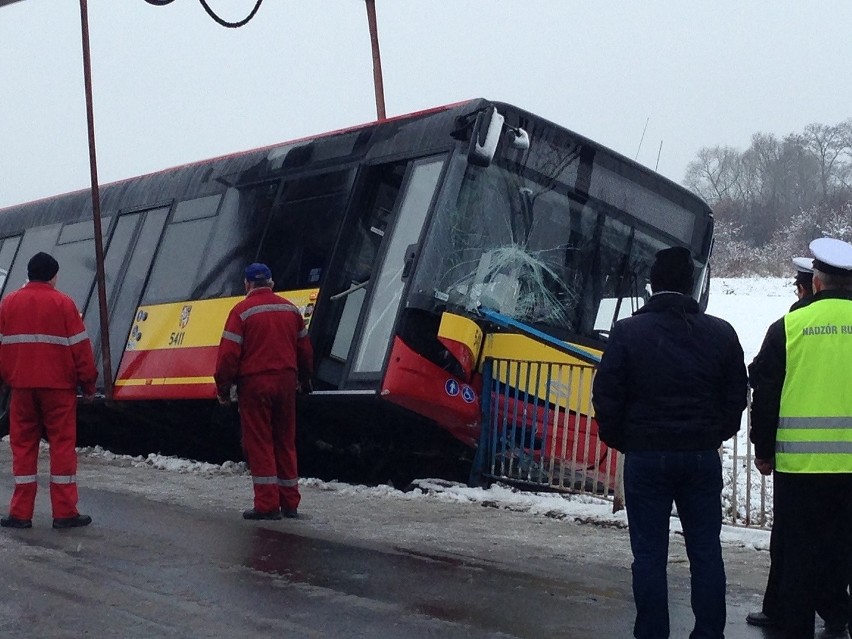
x=154 y=568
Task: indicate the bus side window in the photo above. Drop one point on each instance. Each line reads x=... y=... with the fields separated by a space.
x=7 y=253
x=181 y=250
x=235 y=239
x=41 y=238
x=304 y=227
x=74 y=250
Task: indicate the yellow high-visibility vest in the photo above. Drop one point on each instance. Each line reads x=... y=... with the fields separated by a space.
x=815 y=416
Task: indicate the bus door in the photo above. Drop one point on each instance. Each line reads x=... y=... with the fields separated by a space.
x=127 y=262
x=362 y=295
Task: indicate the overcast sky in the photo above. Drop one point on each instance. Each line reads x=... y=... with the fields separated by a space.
x=171 y=86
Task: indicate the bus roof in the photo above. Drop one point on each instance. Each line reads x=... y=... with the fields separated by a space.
x=356 y=127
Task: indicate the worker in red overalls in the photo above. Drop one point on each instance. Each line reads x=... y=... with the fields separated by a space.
x=266 y=353
x=45 y=354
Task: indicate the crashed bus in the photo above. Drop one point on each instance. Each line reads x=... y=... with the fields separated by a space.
x=417 y=248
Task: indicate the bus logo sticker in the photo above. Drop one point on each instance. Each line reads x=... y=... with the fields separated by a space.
x=468 y=395
x=451 y=387
x=184 y=315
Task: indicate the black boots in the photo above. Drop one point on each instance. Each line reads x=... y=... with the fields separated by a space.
x=254 y=514
x=11 y=522
x=72 y=522
x=58 y=522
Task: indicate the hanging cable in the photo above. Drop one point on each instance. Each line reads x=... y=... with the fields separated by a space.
x=225 y=23
x=212 y=14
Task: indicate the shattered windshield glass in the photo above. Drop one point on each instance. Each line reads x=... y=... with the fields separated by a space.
x=532 y=244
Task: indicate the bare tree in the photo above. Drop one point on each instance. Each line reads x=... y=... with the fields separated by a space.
x=830 y=144
x=713 y=174
x=777 y=195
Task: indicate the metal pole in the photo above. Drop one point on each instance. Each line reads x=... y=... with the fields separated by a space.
x=377 y=60
x=96 y=204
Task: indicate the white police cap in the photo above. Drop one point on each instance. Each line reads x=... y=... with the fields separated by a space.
x=804 y=264
x=832 y=256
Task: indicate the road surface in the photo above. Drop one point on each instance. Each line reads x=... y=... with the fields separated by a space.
x=168 y=555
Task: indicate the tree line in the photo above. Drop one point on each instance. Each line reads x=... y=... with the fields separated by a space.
x=772 y=199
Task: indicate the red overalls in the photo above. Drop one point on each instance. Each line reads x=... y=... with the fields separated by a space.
x=265 y=350
x=45 y=354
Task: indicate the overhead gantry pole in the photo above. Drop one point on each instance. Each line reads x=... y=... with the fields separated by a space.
x=378 y=84
x=96 y=204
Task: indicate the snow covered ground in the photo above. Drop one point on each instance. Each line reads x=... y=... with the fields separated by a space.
x=749 y=304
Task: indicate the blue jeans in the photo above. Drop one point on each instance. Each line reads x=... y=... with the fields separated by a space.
x=693 y=481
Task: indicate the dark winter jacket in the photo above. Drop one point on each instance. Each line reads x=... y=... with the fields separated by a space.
x=766 y=376
x=671 y=378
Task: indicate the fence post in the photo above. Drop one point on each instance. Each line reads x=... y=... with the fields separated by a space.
x=618 y=500
x=480 y=457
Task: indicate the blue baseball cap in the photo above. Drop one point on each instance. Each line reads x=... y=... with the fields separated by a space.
x=258 y=272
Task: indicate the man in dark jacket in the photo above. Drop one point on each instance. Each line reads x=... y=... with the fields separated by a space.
x=670 y=388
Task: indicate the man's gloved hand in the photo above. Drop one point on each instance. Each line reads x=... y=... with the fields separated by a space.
x=765 y=466
x=306 y=387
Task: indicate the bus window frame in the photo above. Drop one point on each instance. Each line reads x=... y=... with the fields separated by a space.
x=352 y=379
x=388 y=242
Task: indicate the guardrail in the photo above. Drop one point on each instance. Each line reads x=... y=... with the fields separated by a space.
x=539 y=432
x=746 y=494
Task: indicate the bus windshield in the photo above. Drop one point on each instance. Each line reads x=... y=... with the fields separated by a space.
x=557 y=240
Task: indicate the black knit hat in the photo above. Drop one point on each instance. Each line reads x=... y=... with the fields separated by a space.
x=42 y=267
x=672 y=270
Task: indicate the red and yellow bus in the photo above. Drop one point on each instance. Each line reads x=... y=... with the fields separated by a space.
x=392 y=237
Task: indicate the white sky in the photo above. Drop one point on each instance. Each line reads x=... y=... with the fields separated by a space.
x=171 y=86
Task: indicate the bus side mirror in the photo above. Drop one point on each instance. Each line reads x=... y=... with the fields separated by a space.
x=485 y=136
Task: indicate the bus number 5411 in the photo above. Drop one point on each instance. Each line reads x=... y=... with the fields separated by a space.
x=176 y=339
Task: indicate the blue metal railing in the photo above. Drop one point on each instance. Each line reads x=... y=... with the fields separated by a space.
x=538 y=430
